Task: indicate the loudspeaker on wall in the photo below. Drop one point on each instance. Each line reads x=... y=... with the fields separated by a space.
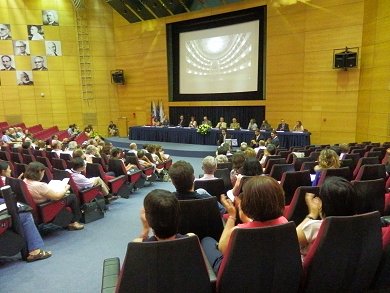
x=117 y=77
x=345 y=60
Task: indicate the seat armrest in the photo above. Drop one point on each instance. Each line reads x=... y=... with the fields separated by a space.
x=88 y=194
x=118 y=178
x=49 y=209
x=111 y=268
x=116 y=183
x=210 y=271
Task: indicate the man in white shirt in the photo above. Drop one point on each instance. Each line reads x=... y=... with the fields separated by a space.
x=83 y=182
x=209 y=165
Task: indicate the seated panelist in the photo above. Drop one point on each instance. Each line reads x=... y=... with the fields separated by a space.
x=235 y=125
x=283 y=126
x=221 y=124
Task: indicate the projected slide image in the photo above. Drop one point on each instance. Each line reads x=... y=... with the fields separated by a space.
x=220 y=60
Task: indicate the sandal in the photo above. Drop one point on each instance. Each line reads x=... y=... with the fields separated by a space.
x=39 y=256
x=75 y=226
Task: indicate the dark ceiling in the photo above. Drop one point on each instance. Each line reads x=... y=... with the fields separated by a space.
x=140 y=10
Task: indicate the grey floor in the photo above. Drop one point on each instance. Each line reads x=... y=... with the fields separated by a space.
x=76 y=264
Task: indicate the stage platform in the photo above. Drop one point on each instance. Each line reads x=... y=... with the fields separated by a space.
x=173 y=149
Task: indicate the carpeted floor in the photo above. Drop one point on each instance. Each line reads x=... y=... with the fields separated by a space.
x=76 y=264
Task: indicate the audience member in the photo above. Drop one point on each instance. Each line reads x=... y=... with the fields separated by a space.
x=270 y=150
x=274 y=139
x=116 y=155
x=260 y=205
x=344 y=149
x=56 y=147
x=161 y=214
x=82 y=182
x=223 y=149
x=91 y=152
x=88 y=130
x=31 y=234
x=386 y=161
x=243 y=146
x=251 y=167
x=255 y=140
x=144 y=161
x=249 y=153
x=152 y=149
x=161 y=153
x=41 y=192
x=221 y=159
x=8 y=138
x=182 y=176
x=261 y=147
x=209 y=165
x=326 y=160
x=133 y=148
x=238 y=160
x=337 y=197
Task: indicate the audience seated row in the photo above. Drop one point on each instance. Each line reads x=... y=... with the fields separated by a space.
x=265 y=258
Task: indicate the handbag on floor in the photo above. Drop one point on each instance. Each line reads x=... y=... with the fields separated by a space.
x=93 y=210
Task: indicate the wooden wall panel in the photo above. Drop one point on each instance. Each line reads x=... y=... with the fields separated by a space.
x=336 y=15
x=276 y=44
x=374 y=94
x=330 y=39
x=285 y=64
x=300 y=82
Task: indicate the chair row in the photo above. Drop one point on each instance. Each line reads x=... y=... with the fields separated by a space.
x=261 y=260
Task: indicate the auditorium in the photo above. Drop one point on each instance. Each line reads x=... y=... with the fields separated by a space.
x=194 y=145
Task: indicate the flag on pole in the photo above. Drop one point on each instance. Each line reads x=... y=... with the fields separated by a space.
x=158 y=111
x=162 y=116
x=153 y=111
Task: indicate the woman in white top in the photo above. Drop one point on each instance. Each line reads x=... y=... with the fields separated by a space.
x=41 y=192
x=252 y=125
x=193 y=123
x=337 y=198
x=298 y=126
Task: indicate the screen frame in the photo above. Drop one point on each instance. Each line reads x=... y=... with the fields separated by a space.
x=173 y=51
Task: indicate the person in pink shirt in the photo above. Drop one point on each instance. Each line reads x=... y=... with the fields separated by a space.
x=260 y=205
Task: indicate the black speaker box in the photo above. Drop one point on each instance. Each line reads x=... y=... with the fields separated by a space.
x=350 y=59
x=117 y=77
x=345 y=59
x=339 y=60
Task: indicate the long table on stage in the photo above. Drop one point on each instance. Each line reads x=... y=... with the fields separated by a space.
x=189 y=135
